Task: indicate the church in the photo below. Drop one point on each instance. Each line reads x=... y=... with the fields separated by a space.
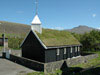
x=47 y=45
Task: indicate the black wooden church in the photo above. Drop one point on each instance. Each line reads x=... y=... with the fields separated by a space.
x=46 y=45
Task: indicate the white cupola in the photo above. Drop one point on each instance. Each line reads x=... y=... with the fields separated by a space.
x=36 y=24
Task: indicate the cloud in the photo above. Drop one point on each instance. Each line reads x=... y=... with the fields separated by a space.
x=58 y=28
x=92 y=9
x=20 y=12
x=94 y=15
x=98 y=28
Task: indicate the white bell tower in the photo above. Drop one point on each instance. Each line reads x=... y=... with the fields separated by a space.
x=36 y=23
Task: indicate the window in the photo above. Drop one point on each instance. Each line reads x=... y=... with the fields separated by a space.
x=78 y=48
x=0 y=40
x=64 y=50
x=71 y=49
x=58 y=51
x=75 y=49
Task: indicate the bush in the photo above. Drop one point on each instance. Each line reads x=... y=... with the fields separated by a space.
x=14 y=42
x=89 y=41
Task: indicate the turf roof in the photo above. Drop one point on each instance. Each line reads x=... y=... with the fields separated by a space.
x=52 y=38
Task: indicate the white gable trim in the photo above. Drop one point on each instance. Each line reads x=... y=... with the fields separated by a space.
x=36 y=37
x=24 y=39
x=39 y=40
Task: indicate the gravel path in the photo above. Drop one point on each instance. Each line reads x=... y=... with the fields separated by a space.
x=10 y=68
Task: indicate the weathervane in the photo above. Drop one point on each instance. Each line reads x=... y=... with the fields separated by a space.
x=36 y=6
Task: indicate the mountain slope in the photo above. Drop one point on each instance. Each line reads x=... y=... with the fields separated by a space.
x=81 y=29
x=15 y=28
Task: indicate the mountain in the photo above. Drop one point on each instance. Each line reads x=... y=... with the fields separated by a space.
x=13 y=28
x=17 y=28
x=81 y=29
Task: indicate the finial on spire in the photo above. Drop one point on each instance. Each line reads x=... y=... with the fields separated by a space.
x=36 y=6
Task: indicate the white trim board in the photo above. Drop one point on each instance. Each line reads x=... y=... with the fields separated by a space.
x=36 y=37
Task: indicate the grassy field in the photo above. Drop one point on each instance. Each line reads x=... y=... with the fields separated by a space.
x=58 y=72
x=94 y=71
x=91 y=63
x=36 y=73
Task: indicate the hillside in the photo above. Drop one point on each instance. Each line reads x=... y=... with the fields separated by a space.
x=13 y=28
x=49 y=37
x=81 y=29
x=17 y=28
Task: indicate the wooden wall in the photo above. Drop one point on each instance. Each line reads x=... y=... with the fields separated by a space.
x=51 y=55
x=32 y=49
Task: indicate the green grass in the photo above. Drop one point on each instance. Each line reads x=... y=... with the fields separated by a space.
x=92 y=71
x=1 y=47
x=58 y=72
x=36 y=73
x=57 y=38
x=91 y=63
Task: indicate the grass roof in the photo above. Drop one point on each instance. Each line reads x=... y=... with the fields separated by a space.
x=57 y=38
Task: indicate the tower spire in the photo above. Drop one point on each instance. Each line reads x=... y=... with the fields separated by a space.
x=36 y=6
x=36 y=23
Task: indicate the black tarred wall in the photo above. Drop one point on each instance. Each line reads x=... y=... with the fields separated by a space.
x=51 y=54
x=32 y=48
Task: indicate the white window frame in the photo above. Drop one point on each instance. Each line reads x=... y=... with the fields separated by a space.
x=64 y=50
x=75 y=49
x=71 y=49
x=78 y=49
x=58 y=51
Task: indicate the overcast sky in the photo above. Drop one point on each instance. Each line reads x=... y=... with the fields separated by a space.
x=55 y=14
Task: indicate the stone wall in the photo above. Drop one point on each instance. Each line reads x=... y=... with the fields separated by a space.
x=38 y=66
x=80 y=59
x=53 y=66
